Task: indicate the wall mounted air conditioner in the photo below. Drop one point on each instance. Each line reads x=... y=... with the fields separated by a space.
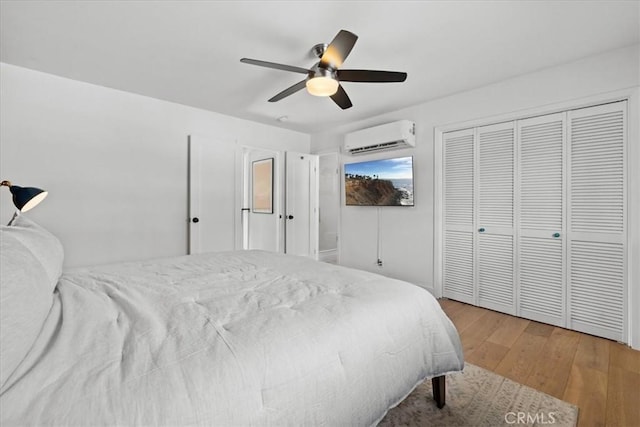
x=391 y=136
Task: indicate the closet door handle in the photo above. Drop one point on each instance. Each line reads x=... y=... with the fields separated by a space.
x=481 y=230
x=290 y=217
x=556 y=235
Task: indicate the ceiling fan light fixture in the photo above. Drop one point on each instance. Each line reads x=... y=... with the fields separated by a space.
x=322 y=86
x=323 y=79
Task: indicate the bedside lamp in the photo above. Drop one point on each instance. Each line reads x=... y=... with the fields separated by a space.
x=25 y=198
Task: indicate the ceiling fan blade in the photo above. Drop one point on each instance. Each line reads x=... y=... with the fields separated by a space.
x=338 y=49
x=371 y=76
x=289 y=91
x=275 y=65
x=341 y=98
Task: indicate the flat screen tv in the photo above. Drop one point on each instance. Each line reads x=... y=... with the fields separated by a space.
x=385 y=182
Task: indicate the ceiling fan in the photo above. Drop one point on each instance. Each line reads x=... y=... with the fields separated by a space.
x=323 y=79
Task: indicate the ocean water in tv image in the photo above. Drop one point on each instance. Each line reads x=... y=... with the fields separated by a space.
x=406 y=186
x=384 y=182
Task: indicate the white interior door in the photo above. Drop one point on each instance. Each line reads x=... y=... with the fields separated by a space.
x=459 y=207
x=301 y=213
x=495 y=249
x=541 y=219
x=261 y=227
x=212 y=195
x=597 y=224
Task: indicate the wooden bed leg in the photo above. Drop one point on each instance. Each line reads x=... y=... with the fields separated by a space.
x=438 y=385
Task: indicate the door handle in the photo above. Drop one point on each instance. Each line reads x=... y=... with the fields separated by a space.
x=290 y=217
x=556 y=235
x=481 y=230
x=196 y=220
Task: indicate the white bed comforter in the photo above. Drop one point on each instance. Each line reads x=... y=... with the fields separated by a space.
x=229 y=339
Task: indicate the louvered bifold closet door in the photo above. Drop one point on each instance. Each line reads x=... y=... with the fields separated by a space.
x=597 y=220
x=458 y=271
x=540 y=206
x=495 y=253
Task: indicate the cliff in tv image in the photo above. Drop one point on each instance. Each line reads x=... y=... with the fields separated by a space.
x=371 y=191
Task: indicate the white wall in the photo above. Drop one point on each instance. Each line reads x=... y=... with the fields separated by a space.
x=407 y=234
x=114 y=163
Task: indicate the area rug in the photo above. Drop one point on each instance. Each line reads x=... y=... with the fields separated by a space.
x=477 y=397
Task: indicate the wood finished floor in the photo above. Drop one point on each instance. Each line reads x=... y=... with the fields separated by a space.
x=600 y=376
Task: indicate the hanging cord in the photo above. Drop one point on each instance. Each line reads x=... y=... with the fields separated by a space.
x=379 y=259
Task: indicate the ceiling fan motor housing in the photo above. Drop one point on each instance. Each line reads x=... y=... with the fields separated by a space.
x=318 y=71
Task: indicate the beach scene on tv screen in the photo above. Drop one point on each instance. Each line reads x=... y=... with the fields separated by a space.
x=386 y=182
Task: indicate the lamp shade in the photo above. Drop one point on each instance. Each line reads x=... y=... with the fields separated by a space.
x=322 y=82
x=322 y=86
x=25 y=198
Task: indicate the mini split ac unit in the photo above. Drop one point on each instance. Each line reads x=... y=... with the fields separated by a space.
x=400 y=134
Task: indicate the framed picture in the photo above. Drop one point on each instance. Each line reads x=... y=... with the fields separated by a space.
x=262 y=186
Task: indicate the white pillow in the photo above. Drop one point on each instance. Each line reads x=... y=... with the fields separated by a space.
x=30 y=266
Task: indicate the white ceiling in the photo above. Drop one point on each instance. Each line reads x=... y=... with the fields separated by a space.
x=189 y=52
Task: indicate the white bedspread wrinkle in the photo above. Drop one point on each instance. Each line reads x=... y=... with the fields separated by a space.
x=245 y=338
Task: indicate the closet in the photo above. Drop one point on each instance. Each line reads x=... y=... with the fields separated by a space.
x=534 y=218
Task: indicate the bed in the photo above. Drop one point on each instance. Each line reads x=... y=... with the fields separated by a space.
x=245 y=338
